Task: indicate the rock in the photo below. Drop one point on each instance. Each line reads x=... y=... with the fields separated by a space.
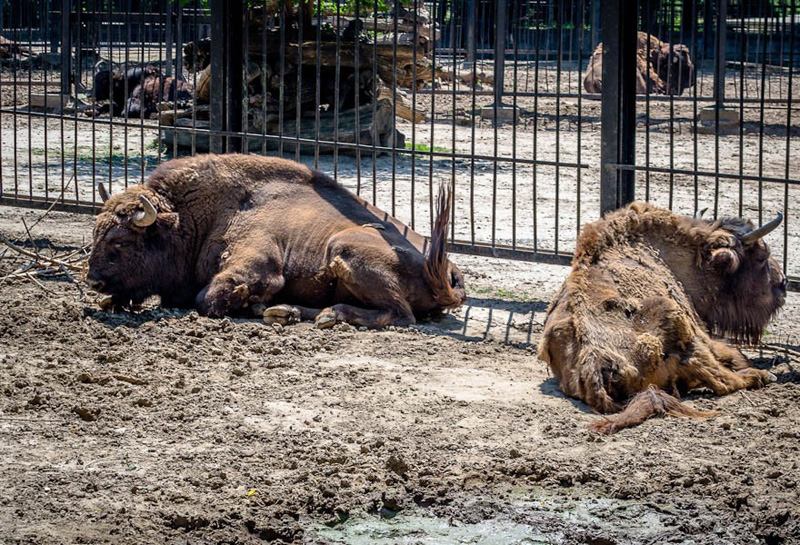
x=87 y=415
x=397 y=465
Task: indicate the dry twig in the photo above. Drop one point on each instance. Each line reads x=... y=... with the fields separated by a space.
x=49 y=260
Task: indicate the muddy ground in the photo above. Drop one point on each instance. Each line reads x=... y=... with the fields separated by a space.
x=166 y=427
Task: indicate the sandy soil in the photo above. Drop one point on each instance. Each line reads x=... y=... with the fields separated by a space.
x=166 y=427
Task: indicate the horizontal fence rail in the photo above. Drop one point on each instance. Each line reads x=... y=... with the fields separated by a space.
x=395 y=98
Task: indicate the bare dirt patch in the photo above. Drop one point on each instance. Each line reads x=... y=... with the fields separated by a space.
x=164 y=426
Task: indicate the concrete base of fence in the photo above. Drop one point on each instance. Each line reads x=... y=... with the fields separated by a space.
x=49 y=101
x=503 y=114
x=728 y=120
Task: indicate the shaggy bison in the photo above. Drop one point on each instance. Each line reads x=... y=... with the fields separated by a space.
x=636 y=315
x=137 y=92
x=661 y=68
x=223 y=232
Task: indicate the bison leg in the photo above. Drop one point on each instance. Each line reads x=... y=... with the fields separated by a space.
x=723 y=381
x=244 y=281
x=328 y=317
x=365 y=267
x=727 y=355
x=722 y=369
x=373 y=319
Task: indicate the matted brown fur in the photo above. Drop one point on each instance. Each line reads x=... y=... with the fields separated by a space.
x=647 y=286
x=661 y=68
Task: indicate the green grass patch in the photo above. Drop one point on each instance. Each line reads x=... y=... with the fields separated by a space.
x=424 y=147
x=502 y=293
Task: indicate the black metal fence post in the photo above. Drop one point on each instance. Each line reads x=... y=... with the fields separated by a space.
x=618 y=119
x=719 y=60
x=708 y=34
x=595 y=26
x=501 y=16
x=168 y=38
x=227 y=77
x=469 y=23
x=66 y=48
x=234 y=72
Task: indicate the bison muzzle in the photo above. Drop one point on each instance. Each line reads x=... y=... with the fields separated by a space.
x=226 y=232
x=641 y=313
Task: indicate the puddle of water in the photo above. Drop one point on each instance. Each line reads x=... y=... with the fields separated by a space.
x=413 y=529
x=524 y=520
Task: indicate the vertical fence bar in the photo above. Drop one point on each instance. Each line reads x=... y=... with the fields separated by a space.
x=234 y=73
x=500 y=51
x=217 y=98
x=66 y=48
x=469 y=22
x=719 y=59
x=618 y=119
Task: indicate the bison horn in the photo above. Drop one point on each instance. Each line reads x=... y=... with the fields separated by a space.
x=762 y=231
x=103 y=193
x=146 y=217
x=699 y=213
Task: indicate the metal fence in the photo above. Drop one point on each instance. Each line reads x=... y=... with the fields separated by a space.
x=394 y=98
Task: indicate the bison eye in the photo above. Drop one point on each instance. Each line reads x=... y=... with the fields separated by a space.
x=122 y=244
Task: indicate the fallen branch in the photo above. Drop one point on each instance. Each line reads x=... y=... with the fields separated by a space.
x=50 y=260
x=780 y=349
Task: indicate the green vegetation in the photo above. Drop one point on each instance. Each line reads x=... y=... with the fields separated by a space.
x=100 y=155
x=424 y=147
x=502 y=293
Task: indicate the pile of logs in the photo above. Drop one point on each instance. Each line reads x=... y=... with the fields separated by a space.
x=339 y=73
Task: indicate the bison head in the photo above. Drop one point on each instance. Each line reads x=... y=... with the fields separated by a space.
x=745 y=284
x=103 y=81
x=133 y=256
x=673 y=63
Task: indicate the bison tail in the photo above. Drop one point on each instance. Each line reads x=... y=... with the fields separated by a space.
x=446 y=285
x=647 y=404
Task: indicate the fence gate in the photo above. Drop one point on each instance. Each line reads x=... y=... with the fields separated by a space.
x=695 y=105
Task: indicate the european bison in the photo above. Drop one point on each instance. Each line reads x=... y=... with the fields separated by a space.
x=144 y=92
x=663 y=69
x=221 y=232
x=636 y=315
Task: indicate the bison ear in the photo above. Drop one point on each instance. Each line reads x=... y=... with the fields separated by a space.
x=170 y=218
x=725 y=260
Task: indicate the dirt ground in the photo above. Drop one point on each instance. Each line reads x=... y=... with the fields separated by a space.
x=166 y=427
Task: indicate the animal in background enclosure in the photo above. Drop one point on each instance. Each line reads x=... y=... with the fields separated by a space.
x=10 y=50
x=137 y=92
x=224 y=232
x=636 y=316
x=661 y=68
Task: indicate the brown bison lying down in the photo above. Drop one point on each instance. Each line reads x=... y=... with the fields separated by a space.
x=664 y=69
x=229 y=231
x=636 y=315
x=138 y=91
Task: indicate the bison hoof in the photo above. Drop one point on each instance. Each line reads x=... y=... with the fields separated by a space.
x=281 y=314
x=771 y=378
x=258 y=309
x=106 y=302
x=325 y=319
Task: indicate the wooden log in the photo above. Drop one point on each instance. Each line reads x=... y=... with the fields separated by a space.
x=168 y=115
x=378 y=130
x=403 y=107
